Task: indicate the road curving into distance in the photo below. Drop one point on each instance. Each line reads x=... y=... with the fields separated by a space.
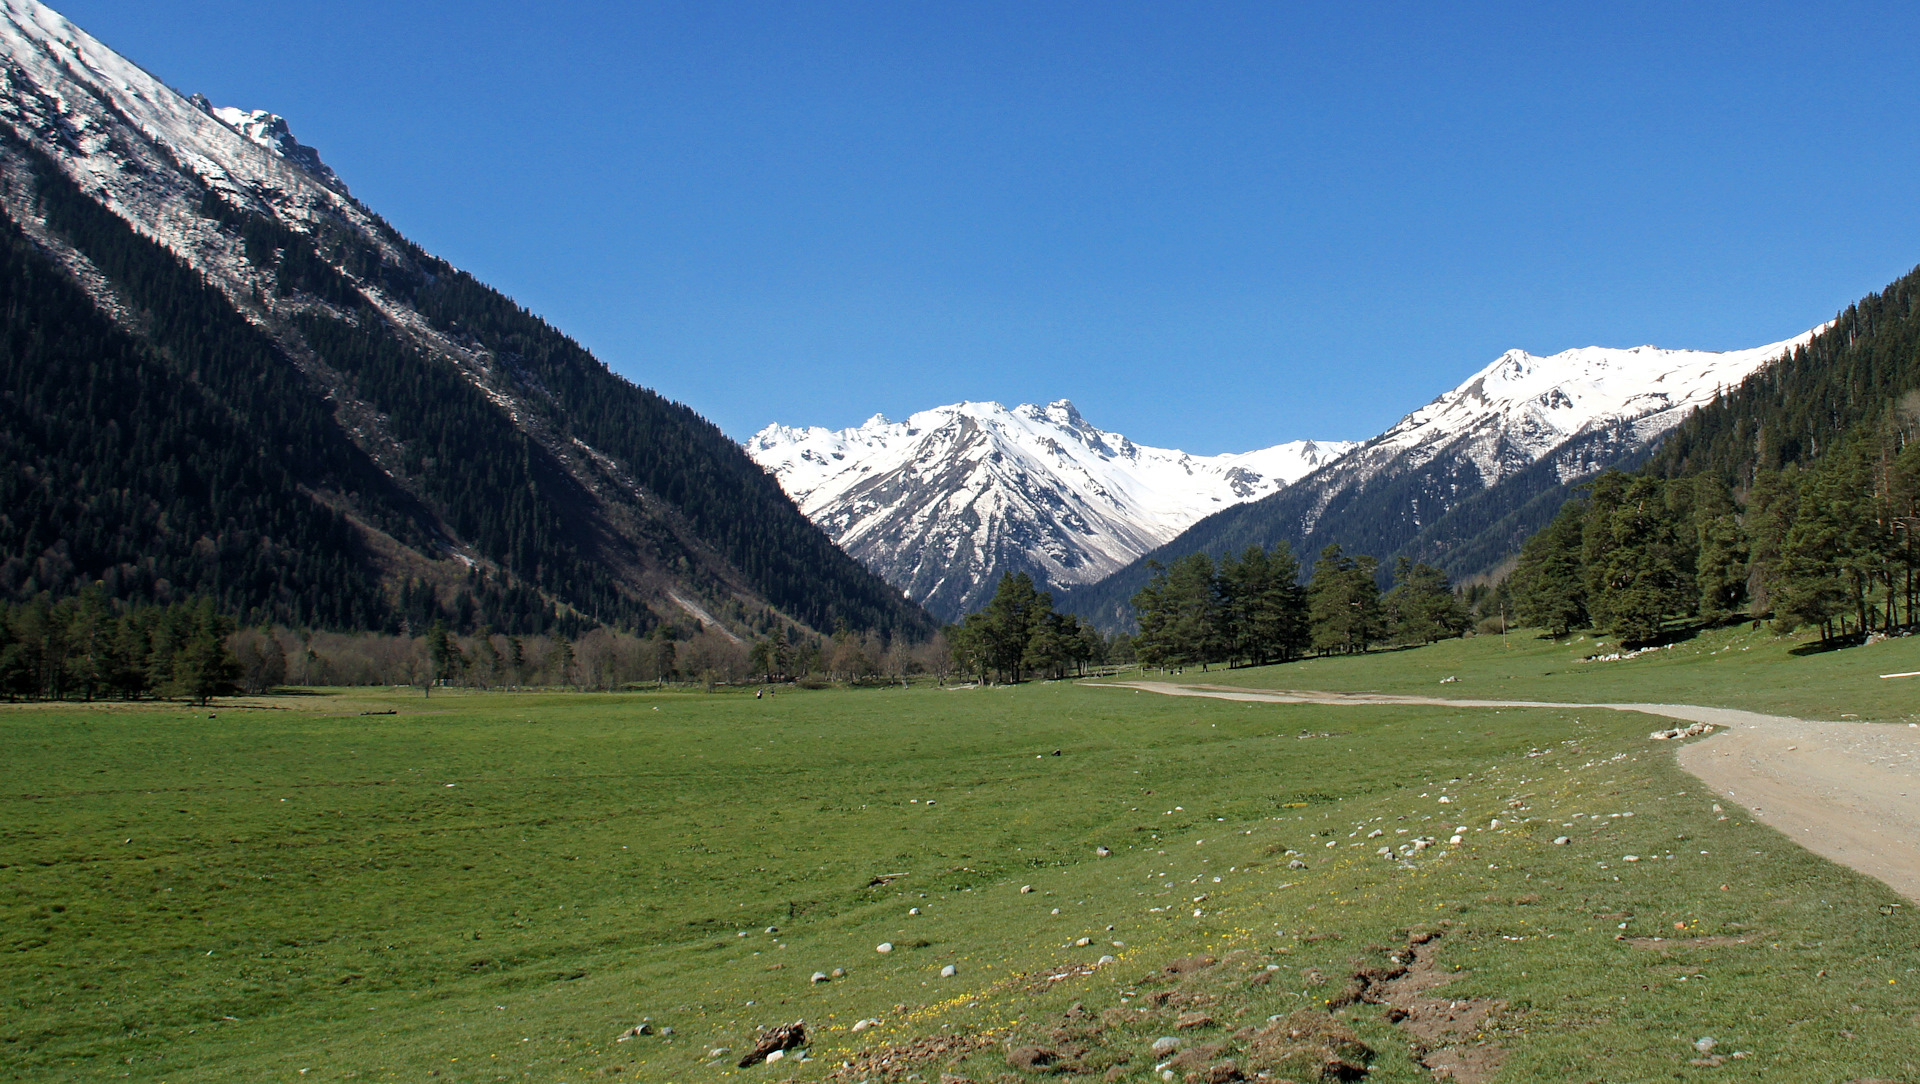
x=1849 y=792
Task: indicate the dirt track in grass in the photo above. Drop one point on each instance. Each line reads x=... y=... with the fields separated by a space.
x=1849 y=792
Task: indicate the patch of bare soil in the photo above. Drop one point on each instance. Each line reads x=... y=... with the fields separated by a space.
x=901 y=1060
x=1308 y=1045
x=1447 y=1035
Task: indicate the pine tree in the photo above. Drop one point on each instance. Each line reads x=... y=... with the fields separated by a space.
x=1720 y=569
x=1343 y=602
x=1637 y=571
x=1422 y=607
x=1548 y=586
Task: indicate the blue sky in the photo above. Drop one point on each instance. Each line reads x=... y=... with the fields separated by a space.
x=1213 y=226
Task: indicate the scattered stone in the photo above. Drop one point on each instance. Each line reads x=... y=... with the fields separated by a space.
x=719 y=1052
x=869 y=1022
x=1561 y=841
x=1105 y=960
x=1102 y=851
x=1166 y=1046
x=1026 y=889
x=818 y=976
x=642 y=1028
x=1705 y=1045
x=1454 y=840
x=948 y=971
x=1190 y=1020
x=775 y=1042
x=913 y=910
x=1675 y=733
x=883 y=947
x=838 y=973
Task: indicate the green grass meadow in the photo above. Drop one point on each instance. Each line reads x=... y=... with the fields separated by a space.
x=494 y=887
x=1728 y=667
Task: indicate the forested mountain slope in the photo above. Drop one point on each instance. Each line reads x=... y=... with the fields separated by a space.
x=1862 y=370
x=1463 y=481
x=1793 y=497
x=223 y=374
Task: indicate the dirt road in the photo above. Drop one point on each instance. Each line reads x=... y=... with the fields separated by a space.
x=1849 y=792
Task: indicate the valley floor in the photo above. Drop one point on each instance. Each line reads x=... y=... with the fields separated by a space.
x=1846 y=791
x=493 y=887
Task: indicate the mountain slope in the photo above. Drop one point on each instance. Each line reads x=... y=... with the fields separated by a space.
x=1463 y=480
x=413 y=431
x=1863 y=369
x=947 y=501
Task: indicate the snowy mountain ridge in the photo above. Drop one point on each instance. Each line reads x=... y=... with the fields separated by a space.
x=1523 y=408
x=944 y=502
x=1463 y=480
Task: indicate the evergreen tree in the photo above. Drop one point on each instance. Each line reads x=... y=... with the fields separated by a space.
x=1422 y=607
x=1721 y=567
x=1263 y=607
x=1548 y=584
x=1638 y=571
x=1343 y=603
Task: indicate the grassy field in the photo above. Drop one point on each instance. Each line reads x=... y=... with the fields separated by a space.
x=494 y=887
x=1729 y=667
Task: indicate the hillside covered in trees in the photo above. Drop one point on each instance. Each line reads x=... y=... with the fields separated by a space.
x=1791 y=498
x=231 y=380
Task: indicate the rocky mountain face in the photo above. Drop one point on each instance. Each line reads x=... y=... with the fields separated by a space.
x=229 y=376
x=944 y=503
x=1462 y=481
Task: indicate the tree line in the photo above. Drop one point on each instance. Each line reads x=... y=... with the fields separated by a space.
x=1251 y=609
x=1019 y=634
x=82 y=648
x=1826 y=545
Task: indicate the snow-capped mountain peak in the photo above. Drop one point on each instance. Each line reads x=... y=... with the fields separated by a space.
x=270 y=130
x=1522 y=406
x=945 y=501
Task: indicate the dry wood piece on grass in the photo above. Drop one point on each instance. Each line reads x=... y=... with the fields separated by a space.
x=783 y=1037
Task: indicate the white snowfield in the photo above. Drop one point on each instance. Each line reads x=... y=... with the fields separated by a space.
x=977 y=483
